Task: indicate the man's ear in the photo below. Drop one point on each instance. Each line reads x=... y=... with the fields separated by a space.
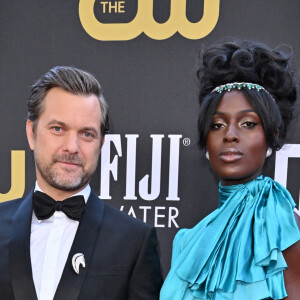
x=30 y=134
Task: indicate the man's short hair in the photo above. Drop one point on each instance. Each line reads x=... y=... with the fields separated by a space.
x=72 y=80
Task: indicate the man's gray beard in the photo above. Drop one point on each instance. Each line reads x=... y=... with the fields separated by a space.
x=52 y=178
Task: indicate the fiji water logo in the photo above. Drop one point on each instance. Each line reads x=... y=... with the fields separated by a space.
x=144 y=21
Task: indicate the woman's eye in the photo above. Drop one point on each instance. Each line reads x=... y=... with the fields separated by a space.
x=217 y=125
x=249 y=124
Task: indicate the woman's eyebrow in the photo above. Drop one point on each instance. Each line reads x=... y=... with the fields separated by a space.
x=239 y=112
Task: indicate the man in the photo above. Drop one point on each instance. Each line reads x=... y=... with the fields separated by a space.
x=78 y=248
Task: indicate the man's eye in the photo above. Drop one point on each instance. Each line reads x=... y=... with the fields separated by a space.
x=88 y=134
x=56 y=128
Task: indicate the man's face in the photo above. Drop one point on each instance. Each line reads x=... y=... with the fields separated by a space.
x=66 y=141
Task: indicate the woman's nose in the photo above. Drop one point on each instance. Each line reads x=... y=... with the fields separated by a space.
x=231 y=134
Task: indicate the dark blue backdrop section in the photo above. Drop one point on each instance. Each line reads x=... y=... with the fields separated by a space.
x=151 y=167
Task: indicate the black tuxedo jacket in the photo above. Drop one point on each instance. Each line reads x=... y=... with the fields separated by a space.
x=120 y=255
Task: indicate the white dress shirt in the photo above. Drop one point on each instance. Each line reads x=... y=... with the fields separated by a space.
x=50 y=244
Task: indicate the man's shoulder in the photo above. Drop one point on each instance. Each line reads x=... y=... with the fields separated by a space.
x=8 y=210
x=126 y=229
x=119 y=218
x=10 y=205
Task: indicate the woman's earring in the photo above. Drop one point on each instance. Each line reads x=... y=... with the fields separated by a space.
x=207 y=155
x=269 y=152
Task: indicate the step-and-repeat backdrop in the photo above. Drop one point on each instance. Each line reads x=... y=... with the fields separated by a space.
x=143 y=52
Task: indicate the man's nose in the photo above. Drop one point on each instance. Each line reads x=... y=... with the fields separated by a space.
x=70 y=143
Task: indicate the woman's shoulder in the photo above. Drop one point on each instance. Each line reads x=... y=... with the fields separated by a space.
x=297 y=218
x=279 y=221
x=292 y=273
x=185 y=235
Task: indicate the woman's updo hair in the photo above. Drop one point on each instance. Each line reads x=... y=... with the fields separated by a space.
x=253 y=62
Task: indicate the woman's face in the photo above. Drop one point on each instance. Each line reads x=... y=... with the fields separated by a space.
x=236 y=141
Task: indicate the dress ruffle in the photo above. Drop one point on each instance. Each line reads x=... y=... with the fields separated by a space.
x=236 y=251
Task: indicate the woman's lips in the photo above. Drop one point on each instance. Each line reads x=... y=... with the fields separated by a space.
x=231 y=155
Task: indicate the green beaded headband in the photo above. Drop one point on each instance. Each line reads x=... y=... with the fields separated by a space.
x=239 y=85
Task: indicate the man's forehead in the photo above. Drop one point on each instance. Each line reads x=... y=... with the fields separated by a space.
x=65 y=107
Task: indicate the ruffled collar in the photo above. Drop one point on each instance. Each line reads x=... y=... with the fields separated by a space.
x=239 y=245
x=225 y=191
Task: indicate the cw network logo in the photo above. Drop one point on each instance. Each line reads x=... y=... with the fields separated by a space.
x=144 y=21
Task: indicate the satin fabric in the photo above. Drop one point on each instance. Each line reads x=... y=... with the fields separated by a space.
x=236 y=251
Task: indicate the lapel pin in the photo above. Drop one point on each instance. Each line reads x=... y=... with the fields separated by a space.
x=77 y=260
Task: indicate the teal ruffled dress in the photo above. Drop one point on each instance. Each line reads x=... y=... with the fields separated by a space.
x=236 y=252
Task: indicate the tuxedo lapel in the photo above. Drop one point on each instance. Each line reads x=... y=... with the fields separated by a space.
x=20 y=263
x=84 y=242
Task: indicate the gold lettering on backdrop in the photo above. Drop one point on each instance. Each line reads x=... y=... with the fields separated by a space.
x=144 y=21
x=17 y=176
x=116 y=7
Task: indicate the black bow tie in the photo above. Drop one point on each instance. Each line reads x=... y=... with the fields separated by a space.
x=44 y=206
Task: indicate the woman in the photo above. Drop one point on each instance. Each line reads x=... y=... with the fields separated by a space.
x=242 y=249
